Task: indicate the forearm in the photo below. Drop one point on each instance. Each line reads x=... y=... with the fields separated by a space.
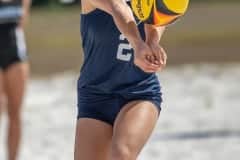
x=123 y=18
x=26 y=4
x=153 y=34
x=125 y=22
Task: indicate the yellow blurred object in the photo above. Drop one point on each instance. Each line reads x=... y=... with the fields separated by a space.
x=159 y=12
x=142 y=8
x=177 y=6
x=161 y=19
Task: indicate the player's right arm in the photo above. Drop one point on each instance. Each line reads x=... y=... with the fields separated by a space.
x=26 y=4
x=124 y=20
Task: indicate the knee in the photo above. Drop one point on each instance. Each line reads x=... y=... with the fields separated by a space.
x=14 y=117
x=2 y=103
x=122 y=152
x=14 y=123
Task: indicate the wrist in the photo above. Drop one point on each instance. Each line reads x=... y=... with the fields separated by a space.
x=152 y=41
x=137 y=43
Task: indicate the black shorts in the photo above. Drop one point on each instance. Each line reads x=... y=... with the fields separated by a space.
x=12 y=45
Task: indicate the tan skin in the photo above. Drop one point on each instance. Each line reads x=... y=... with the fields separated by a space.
x=12 y=88
x=2 y=96
x=123 y=141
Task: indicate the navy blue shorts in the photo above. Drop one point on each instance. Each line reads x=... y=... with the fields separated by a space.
x=105 y=107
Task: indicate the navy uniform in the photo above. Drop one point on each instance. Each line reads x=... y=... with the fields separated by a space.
x=12 y=43
x=109 y=78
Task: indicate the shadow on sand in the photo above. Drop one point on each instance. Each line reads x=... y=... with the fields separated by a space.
x=195 y=135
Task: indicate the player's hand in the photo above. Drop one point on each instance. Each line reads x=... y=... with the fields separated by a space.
x=142 y=54
x=159 y=56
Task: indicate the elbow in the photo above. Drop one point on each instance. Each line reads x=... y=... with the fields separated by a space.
x=114 y=8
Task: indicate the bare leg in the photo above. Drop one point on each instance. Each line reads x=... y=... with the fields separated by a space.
x=132 y=129
x=1 y=94
x=15 y=78
x=93 y=140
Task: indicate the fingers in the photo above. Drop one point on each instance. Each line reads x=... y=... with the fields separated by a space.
x=145 y=65
x=151 y=59
x=161 y=59
x=163 y=56
x=159 y=54
x=149 y=64
x=156 y=58
x=150 y=67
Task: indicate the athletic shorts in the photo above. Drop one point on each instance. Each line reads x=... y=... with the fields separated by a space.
x=105 y=107
x=12 y=45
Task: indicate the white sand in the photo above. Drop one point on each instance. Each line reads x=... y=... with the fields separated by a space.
x=199 y=121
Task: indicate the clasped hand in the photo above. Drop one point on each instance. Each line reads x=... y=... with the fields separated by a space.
x=150 y=57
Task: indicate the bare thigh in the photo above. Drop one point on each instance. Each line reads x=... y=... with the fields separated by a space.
x=15 y=79
x=93 y=140
x=132 y=129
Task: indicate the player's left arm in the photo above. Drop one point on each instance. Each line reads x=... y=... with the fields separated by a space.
x=26 y=5
x=153 y=37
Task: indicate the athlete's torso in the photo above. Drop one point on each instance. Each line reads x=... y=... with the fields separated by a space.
x=108 y=58
x=10 y=11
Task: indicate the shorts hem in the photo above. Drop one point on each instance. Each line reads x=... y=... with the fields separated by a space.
x=7 y=66
x=156 y=104
x=89 y=115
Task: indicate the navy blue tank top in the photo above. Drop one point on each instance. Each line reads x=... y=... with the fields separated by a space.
x=108 y=59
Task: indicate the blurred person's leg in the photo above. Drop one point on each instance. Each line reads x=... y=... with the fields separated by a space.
x=15 y=78
x=15 y=69
x=1 y=94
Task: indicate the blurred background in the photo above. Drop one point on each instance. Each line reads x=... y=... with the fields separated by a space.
x=200 y=117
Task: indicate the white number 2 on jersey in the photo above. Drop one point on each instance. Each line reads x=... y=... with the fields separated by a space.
x=124 y=46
